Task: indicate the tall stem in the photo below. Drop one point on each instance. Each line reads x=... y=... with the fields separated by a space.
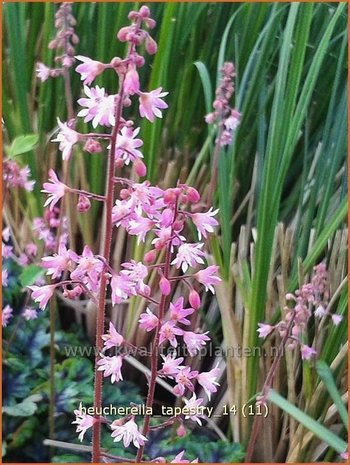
x=108 y=228
x=155 y=352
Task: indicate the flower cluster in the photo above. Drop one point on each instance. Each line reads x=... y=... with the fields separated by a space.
x=64 y=41
x=310 y=299
x=16 y=177
x=226 y=117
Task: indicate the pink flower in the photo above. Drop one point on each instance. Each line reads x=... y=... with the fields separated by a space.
x=264 y=329
x=194 y=341
x=132 y=81
x=204 y=222
x=111 y=366
x=83 y=421
x=122 y=288
x=171 y=365
x=112 y=338
x=168 y=332
x=208 y=277
x=6 y=315
x=150 y=102
x=336 y=319
x=148 y=320
x=139 y=227
x=42 y=72
x=6 y=234
x=42 y=294
x=29 y=314
x=99 y=107
x=194 y=299
x=307 y=352
x=208 y=380
x=89 y=69
x=58 y=263
x=128 y=432
x=183 y=380
x=320 y=311
x=67 y=137
x=188 y=255
x=193 y=407
x=345 y=455
x=127 y=145
x=89 y=268
x=136 y=272
x=178 y=459
x=178 y=312
x=121 y=212
x=6 y=250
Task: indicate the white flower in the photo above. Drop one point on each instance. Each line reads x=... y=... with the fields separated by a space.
x=128 y=432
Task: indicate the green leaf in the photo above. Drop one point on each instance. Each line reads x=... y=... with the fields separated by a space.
x=24 y=409
x=325 y=374
x=30 y=274
x=312 y=425
x=23 y=144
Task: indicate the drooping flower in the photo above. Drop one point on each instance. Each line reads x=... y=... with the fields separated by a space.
x=127 y=145
x=205 y=222
x=195 y=341
x=6 y=315
x=99 y=107
x=208 y=380
x=151 y=102
x=193 y=405
x=88 y=270
x=29 y=313
x=178 y=313
x=122 y=288
x=42 y=294
x=42 y=72
x=168 y=332
x=183 y=380
x=188 y=255
x=264 y=329
x=127 y=432
x=148 y=320
x=67 y=137
x=208 y=277
x=171 y=365
x=136 y=272
x=112 y=338
x=89 y=69
x=131 y=81
x=139 y=227
x=307 y=352
x=83 y=422
x=111 y=366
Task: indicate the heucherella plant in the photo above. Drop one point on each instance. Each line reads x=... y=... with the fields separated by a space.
x=144 y=211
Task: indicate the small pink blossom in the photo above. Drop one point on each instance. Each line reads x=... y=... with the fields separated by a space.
x=136 y=272
x=264 y=329
x=193 y=405
x=6 y=250
x=99 y=107
x=208 y=381
x=171 y=365
x=132 y=81
x=6 y=234
x=178 y=313
x=89 y=69
x=42 y=72
x=83 y=421
x=151 y=102
x=6 y=315
x=127 y=145
x=336 y=319
x=320 y=311
x=139 y=227
x=148 y=320
x=58 y=263
x=345 y=455
x=111 y=366
x=183 y=381
x=4 y=276
x=42 y=294
x=29 y=313
x=194 y=299
x=205 y=222
x=164 y=286
x=208 y=277
x=127 y=433
x=168 y=332
x=112 y=338
x=122 y=288
x=307 y=352
x=195 y=341
x=67 y=137
x=89 y=268
x=178 y=459
x=188 y=255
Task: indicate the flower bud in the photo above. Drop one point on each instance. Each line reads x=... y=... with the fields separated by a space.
x=119 y=163
x=164 y=286
x=170 y=196
x=150 y=256
x=151 y=45
x=144 y=11
x=92 y=146
x=181 y=431
x=140 y=168
x=124 y=194
x=194 y=299
x=193 y=195
x=123 y=33
x=83 y=204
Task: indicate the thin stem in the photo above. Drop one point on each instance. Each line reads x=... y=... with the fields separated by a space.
x=108 y=228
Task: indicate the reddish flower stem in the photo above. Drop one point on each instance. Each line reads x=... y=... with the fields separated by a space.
x=108 y=228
